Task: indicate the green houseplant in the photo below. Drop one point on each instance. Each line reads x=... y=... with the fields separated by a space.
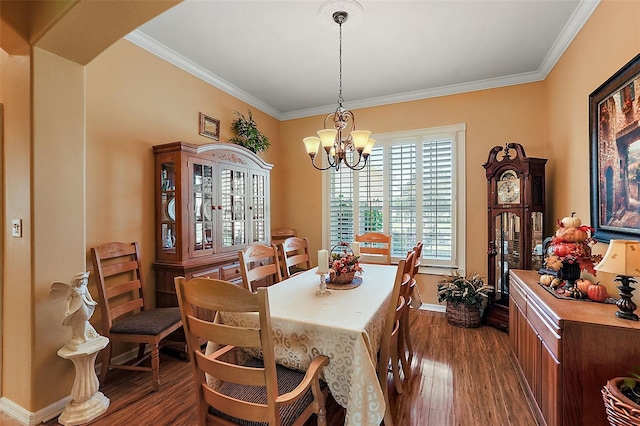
x=464 y=294
x=247 y=134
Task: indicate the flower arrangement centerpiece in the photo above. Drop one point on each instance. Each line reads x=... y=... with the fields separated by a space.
x=343 y=264
x=571 y=253
x=464 y=294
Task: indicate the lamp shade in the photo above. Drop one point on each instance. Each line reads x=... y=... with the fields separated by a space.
x=369 y=147
x=311 y=143
x=360 y=138
x=622 y=258
x=328 y=137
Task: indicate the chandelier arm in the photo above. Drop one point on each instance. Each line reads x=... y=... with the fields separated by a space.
x=313 y=163
x=353 y=166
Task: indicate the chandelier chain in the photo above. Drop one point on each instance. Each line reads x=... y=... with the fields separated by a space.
x=340 y=99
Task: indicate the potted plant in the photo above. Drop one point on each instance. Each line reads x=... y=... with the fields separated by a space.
x=622 y=399
x=247 y=134
x=464 y=294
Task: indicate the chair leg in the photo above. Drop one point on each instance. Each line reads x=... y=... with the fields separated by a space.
x=155 y=366
x=395 y=367
x=407 y=334
x=405 y=348
x=106 y=361
x=141 y=348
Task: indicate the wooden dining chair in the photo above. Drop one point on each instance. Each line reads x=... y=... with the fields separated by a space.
x=388 y=354
x=418 y=250
x=375 y=247
x=260 y=266
x=278 y=235
x=405 y=346
x=295 y=256
x=259 y=390
x=126 y=314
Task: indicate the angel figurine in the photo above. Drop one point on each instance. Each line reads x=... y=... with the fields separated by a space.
x=80 y=307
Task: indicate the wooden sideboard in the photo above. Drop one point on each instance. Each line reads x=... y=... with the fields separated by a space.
x=566 y=350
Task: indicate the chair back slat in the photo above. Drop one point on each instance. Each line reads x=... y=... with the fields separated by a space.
x=227 y=372
x=234 y=407
x=375 y=247
x=128 y=307
x=259 y=263
x=124 y=288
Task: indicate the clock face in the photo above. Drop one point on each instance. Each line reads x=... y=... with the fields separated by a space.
x=508 y=188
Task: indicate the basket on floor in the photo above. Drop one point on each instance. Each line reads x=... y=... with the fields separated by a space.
x=461 y=315
x=620 y=409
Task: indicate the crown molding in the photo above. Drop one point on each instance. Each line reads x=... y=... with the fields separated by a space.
x=572 y=28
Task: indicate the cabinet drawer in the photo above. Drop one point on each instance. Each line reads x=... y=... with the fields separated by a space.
x=207 y=273
x=230 y=272
x=518 y=297
x=548 y=331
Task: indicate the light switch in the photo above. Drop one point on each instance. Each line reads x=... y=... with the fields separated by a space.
x=16 y=228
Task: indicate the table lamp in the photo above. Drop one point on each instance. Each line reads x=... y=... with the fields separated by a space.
x=623 y=259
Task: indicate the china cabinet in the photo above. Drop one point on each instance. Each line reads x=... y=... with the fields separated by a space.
x=566 y=350
x=515 y=204
x=211 y=201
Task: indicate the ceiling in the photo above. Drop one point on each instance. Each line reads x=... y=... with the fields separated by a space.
x=282 y=58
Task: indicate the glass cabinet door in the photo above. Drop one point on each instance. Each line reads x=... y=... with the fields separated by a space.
x=258 y=207
x=202 y=202
x=233 y=202
x=168 y=207
x=508 y=228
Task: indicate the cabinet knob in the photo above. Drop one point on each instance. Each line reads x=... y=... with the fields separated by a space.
x=219 y=207
x=250 y=207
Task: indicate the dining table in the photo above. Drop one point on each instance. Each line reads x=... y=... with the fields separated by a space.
x=345 y=325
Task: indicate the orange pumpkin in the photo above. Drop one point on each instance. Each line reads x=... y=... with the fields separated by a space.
x=583 y=285
x=571 y=235
x=597 y=292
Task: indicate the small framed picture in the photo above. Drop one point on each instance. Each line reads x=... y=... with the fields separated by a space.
x=209 y=127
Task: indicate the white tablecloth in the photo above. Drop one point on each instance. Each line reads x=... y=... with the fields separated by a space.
x=345 y=326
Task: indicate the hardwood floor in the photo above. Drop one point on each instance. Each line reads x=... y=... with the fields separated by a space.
x=460 y=377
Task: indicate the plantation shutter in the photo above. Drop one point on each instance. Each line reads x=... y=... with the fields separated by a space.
x=437 y=207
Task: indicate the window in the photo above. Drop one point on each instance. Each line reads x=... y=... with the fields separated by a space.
x=413 y=188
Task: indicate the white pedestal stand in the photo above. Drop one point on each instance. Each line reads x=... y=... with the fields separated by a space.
x=87 y=402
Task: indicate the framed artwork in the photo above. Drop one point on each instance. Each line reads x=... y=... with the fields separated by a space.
x=209 y=127
x=614 y=114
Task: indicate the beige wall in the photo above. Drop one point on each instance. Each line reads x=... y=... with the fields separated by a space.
x=607 y=42
x=135 y=100
x=17 y=304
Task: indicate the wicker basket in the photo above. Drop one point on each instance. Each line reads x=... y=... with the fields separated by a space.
x=621 y=411
x=342 y=278
x=461 y=315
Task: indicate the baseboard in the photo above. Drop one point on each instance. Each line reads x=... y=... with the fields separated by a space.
x=432 y=307
x=28 y=418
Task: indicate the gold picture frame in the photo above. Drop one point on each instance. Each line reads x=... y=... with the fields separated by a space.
x=209 y=127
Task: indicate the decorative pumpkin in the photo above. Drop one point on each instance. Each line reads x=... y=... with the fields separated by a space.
x=575 y=293
x=571 y=235
x=583 y=285
x=571 y=221
x=546 y=279
x=556 y=282
x=597 y=292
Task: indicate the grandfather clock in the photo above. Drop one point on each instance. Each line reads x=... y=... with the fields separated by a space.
x=515 y=207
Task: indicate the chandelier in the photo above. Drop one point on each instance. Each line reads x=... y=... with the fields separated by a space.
x=342 y=138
